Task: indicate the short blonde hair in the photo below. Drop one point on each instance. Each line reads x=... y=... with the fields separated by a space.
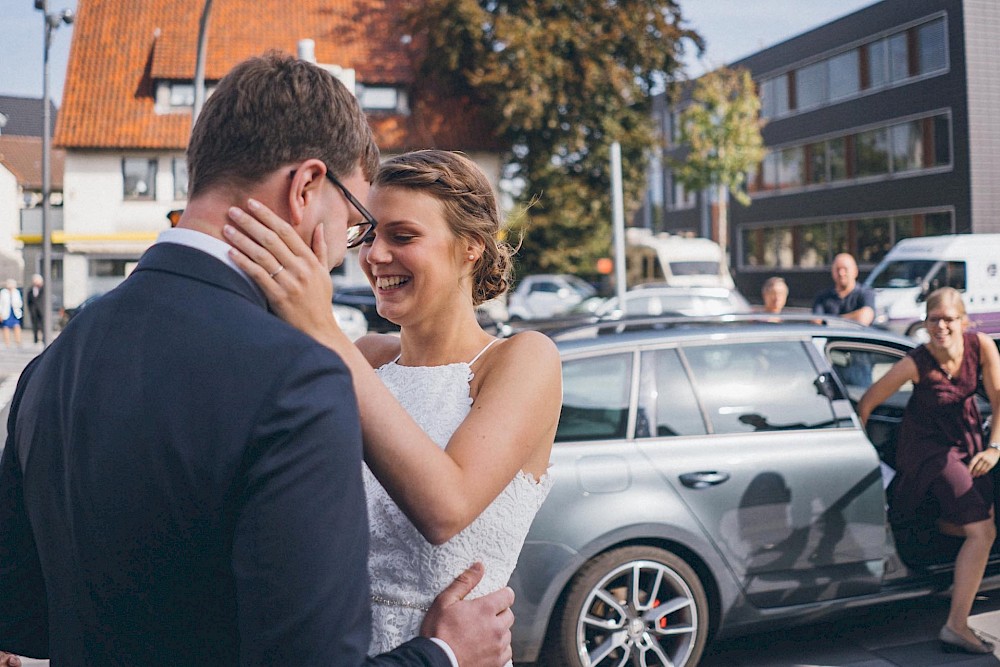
x=946 y=296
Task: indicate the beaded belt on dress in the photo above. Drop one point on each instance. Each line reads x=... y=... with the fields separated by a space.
x=379 y=599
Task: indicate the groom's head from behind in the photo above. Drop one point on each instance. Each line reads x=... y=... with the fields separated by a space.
x=271 y=129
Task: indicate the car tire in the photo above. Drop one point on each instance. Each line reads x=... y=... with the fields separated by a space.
x=633 y=630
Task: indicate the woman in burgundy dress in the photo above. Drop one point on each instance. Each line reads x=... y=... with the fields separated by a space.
x=940 y=454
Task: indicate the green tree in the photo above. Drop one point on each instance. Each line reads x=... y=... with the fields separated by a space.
x=563 y=79
x=721 y=130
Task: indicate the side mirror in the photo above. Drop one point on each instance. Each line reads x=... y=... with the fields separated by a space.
x=925 y=289
x=825 y=386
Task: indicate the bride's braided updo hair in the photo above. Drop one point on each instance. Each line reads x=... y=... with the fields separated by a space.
x=470 y=208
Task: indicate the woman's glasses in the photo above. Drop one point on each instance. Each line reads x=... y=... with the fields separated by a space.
x=947 y=321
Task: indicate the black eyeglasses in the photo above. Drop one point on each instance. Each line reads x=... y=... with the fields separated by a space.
x=356 y=234
x=947 y=321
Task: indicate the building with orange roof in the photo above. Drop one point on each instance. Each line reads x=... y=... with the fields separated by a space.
x=21 y=183
x=126 y=112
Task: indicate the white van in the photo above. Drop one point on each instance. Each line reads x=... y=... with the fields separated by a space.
x=916 y=267
x=674 y=260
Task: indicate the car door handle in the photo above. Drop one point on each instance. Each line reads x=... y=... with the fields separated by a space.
x=701 y=480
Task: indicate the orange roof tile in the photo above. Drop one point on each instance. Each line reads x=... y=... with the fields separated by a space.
x=23 y=157
x=121 y=47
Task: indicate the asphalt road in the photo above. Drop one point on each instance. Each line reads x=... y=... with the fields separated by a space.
x=901 y=634
x=12 y=361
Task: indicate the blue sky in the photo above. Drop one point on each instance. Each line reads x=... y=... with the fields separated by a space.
x=732 y=28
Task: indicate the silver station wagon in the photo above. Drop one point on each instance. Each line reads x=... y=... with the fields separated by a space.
x=711 y=478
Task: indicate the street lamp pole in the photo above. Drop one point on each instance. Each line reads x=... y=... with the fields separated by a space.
x=199 y=65
x=52 y=21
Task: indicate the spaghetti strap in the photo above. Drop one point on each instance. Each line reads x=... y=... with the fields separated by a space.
x=482 y=351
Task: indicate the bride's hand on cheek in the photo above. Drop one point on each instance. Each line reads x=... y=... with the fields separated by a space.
x=293 y=276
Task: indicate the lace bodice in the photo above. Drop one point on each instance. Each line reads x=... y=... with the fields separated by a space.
x=407 y=572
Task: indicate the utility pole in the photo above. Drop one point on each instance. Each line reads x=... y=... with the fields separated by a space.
x=52 y=21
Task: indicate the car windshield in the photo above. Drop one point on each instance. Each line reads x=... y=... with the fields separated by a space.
x=902 y=273
x=704 y=268
x=642 y=303
x=581 y=286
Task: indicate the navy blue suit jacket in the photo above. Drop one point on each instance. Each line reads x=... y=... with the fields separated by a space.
x=182 y=485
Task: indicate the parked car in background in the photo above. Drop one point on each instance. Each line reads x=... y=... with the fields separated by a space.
x=547 y=295
x=641 y=301
x=655 y=299
x=350 y=320
x=362 y=298
x=710 y=479
x=66 y=314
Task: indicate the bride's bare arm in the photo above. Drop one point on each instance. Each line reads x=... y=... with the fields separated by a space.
x=510 y=427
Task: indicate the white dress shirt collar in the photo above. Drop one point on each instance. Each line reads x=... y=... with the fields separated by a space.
x=208 y=244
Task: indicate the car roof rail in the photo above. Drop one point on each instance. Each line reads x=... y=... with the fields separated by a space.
x=661 y=322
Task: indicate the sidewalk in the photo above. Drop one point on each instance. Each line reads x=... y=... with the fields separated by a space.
x=901 y=634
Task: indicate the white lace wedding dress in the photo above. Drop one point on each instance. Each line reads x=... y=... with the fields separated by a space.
x=407 y=572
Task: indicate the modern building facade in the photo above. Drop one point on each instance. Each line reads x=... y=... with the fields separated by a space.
x=879 y=126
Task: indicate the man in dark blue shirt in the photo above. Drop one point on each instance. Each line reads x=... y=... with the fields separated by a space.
x=846 y=298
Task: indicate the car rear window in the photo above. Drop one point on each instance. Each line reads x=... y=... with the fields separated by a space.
x=595 y=397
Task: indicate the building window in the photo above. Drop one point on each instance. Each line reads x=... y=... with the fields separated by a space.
x=941 y=140
x=675 y=127
x=874 y=238
x=845 y=75
x=181 y=94
x=899 y=59
x=791 y=167
x=180 y=178
x=654 y=190
x=878 y=64
x=918 y=51
x=936 y=224
x=816 y=163
x=177 y=96
x=682 y=198
x=837 y=158
x=932 y=47
x=901 y=148
x=907 y=146
x=871 y=153
x=813 y=245
x=108 y=268
x=140 y=178
x=382 y=98
x=811 y=86
x=774 y=96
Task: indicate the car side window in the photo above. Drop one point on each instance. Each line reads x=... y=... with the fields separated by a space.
x=595 y=397
x=550 y=288
x=667 y=405
x=858 y=368
x=643 y=306
x=950 y=274
x=768 y=386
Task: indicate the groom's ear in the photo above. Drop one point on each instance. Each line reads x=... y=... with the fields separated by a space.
x=307 y=183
